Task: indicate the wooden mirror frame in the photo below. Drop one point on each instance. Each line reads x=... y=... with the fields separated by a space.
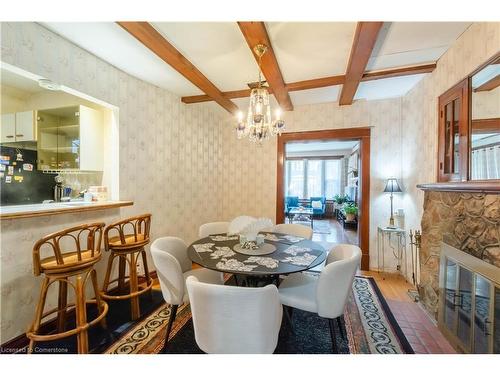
x=462 y=91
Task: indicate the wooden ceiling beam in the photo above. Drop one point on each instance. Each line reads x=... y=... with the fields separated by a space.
x=256 y=33
x=322 y=82
x=398 y=72
x=152 y=39
x=362 y=47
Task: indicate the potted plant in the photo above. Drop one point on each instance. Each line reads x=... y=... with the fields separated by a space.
x=340 y=200
x=351 y=210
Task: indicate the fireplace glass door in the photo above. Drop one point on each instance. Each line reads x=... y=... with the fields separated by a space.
x=470 y=309
x=450 y=294
x=482 y=322
x=464 y=306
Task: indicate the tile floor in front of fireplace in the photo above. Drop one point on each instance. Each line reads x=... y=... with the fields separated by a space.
x=421 y=332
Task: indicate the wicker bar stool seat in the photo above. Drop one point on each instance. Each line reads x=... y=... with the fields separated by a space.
x=126 y=240
x=73 y=268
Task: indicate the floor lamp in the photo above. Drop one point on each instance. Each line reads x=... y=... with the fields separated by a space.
x=392 y=186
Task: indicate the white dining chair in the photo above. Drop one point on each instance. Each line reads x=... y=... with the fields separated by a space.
x=173 y=267
x=235 y=320
x=294 y=230
x=324 y=293
x=216 y=227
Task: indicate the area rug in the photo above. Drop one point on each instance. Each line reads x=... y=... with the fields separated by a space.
x=321 y=227
x=368 y=327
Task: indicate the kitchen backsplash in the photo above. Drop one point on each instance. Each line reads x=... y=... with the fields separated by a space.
x=22 y=183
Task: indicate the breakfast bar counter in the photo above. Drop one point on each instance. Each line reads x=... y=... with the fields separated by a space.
x=44 y=209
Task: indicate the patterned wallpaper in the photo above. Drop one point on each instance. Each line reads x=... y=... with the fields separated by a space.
x=419 y=109
x=250 y=170
x=170 y=158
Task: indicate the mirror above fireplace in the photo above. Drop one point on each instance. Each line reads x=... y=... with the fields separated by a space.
x=485 y=123
x=469 y=127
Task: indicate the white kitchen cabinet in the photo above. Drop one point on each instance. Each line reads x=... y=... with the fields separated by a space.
x=8 y=127
x=26 y=126
x=18 y=127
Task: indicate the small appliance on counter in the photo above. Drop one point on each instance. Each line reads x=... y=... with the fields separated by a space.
x=99 y=193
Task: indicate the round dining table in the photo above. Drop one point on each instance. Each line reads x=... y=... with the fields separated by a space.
x=284 y=254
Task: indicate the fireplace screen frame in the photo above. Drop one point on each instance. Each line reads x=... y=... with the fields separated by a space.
x=476 y=266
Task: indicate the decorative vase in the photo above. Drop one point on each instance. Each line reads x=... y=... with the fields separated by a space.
x=350 y=217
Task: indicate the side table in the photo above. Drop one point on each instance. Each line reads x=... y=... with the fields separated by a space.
x=395 y=239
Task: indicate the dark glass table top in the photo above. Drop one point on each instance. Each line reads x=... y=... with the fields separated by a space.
x=292 y=254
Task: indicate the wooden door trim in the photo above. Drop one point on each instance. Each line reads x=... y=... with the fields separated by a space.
x=363 y=134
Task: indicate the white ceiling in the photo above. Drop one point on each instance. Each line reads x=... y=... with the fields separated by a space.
x=410 y=43
x=111 y=43
x=305 y=50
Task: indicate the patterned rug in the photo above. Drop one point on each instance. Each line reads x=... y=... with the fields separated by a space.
x=369 y=327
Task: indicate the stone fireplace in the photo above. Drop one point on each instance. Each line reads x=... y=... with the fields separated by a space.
x=467 y=220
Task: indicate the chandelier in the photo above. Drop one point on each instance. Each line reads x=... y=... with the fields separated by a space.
x=259 y=124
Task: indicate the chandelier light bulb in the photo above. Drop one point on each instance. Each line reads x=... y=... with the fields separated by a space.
x=259 y=124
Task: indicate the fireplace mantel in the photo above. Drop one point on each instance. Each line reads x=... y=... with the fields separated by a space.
x=485 y=187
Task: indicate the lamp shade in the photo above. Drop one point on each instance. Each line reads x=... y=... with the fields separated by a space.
x=392 y=186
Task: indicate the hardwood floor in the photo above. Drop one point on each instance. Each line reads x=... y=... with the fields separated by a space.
x=330 y=231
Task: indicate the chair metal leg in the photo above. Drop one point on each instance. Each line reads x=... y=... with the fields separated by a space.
x=288 y=316
x=341 y=329
x=173 y=313
x=332 y=335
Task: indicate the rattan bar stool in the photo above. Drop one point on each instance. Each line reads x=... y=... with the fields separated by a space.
x=73 y=253
x=127 y=244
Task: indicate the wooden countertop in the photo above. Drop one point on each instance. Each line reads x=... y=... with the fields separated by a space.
x=45 y=209
x=485 y=187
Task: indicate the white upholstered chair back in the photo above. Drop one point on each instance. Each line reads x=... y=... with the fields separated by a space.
x=216 y=227
x=230 y=319
x=171 y=261
x=335 y=280
x=294 y=230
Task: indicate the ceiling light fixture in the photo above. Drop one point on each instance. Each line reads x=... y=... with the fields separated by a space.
x=259 y=124
x=48 y=84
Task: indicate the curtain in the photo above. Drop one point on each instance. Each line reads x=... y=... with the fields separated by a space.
x=486 y=163
x=333 y=178
x=313 y=178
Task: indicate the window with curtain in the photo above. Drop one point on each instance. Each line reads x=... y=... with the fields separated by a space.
x=486 y=163
x=295 y=174
x=313 y=178
x=332 y=177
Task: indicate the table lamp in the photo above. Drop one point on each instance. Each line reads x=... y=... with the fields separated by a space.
x=392 y=186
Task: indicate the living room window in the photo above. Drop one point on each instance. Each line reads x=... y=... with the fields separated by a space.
x=313 y=177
